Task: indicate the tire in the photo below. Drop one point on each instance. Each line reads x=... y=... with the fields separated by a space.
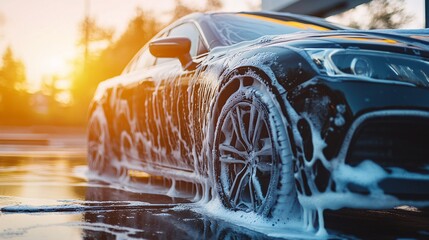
x=252 y=157
x=98 y=143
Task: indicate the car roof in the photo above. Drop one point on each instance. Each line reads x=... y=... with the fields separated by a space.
x=275 y=15
x=204 y=20
x=303 y=18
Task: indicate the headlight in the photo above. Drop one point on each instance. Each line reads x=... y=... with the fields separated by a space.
x=376 y=65
x=361 y=66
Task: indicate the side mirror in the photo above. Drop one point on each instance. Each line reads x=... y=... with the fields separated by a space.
x=173 y=47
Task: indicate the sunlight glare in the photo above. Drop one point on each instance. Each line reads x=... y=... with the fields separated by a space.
x=56 y=66
x=64 y=98
x=63 y=84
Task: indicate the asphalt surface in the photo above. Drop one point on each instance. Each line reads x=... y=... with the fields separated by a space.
x=45 y=193
x=51 y=187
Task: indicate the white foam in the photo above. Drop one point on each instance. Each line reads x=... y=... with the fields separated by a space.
x=270 y=227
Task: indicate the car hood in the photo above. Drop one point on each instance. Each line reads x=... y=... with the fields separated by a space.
x=411 y=42
x=414 y=42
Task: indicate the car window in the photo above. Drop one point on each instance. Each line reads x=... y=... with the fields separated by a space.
x=190 y=31
x=145 y=60
x=142 y=60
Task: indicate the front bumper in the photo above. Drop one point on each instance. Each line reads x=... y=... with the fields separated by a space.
x=389 y=153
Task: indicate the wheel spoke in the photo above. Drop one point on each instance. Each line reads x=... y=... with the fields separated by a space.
x=92 y=145
x=100 y=151
x=252 y=193
x=241 y=187
x=257 y=131
x=257 y=187
x=267 y=149
x=231 y=160
x=240 y=128
x=264 y=166
x=101 y=136
x=237 y=184
x=253 y=113
x=231 y=149
x=97 y=161
x=236 y=130
x=95 y=128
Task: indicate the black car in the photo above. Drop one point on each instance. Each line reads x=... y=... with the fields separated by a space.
x=280 y=114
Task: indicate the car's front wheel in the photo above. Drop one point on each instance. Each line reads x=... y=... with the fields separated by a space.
x=253 y=163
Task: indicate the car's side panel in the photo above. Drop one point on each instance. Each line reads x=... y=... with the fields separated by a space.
x=150 y=118
x=129 y=129
x=146 y=143
x=171 y=115
x=182 y=151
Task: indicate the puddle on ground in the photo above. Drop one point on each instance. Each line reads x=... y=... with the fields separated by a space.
x=45 y=198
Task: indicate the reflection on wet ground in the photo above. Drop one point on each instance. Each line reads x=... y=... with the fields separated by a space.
x=83 y=209
x=57 y=182
x=388 y=224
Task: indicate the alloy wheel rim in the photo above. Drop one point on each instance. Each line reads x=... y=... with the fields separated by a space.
x=96 y=143
x=246 y=157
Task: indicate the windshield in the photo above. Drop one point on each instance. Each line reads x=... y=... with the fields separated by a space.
x=235 y=28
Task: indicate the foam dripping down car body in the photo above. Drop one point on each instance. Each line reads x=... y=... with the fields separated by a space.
x=278 y=114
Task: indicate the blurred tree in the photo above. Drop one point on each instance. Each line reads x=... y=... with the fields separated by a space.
x=93 y=39
x=382 y=14
x=95 y=32
x=94 y=35
x=213 y=5
x=12 y=72
x=141 y=28
x=14 y=100
x=107 y=61
x=181 y=10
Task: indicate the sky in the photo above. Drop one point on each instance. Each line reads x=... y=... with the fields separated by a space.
x=44 y=33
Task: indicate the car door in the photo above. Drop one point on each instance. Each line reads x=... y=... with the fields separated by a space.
x=173 y=101
x=135 y=131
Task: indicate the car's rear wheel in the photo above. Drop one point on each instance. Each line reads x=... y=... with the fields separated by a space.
x=98 y=136
x=252 y=155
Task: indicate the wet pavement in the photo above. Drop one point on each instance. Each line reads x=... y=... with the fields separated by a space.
x=47 y=195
